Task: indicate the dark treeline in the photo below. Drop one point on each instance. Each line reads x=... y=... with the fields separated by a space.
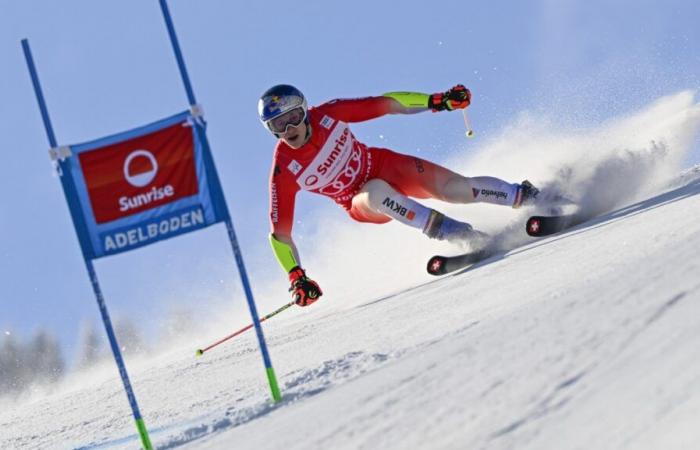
x=39 y=361
x=22 y=364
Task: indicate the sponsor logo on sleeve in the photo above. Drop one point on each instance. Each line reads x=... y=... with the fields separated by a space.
x=294 y=167
x=327 y=122
x=274 y=204
x=419 y=165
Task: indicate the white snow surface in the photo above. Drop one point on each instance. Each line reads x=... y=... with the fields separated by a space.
x=589 y=339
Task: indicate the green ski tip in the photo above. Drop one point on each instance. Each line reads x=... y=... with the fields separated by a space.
x=199 y=352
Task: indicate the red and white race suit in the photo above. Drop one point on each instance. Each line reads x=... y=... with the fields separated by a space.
x=335 y=164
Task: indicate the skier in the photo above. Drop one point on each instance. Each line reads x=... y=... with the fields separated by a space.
x=317 y=152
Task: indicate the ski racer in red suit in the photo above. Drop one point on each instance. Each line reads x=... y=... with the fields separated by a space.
x=317 y=152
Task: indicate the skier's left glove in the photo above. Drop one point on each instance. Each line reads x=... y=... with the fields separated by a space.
x=458 y=97
x=305 y=291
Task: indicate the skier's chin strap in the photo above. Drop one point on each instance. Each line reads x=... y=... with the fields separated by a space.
x=284 y=254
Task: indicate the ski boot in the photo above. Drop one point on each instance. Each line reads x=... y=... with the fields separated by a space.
x=444 y=228
x=527 y=195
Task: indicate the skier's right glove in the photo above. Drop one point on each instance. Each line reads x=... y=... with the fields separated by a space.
x=305 y=291
x=457 y=97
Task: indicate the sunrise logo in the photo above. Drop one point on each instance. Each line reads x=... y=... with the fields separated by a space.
x=141 y=178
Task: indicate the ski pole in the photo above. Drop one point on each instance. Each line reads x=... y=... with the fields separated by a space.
x=201 y=351
x=467 y=124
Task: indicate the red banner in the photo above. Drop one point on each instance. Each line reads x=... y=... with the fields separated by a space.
x=141 y=173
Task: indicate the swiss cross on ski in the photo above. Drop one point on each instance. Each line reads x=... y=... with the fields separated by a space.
x=546 y=225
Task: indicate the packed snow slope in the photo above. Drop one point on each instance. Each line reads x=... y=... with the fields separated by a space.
x=589 y=339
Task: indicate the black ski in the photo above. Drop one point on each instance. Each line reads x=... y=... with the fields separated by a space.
x=545 y=225
x=441 y=265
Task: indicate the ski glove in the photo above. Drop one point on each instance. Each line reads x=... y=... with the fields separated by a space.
x=305 y=291
x=458 y=97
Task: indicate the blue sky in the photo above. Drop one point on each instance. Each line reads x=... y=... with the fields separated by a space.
x=108 y=66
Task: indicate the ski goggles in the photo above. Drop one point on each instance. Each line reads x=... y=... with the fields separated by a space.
x=292 y=118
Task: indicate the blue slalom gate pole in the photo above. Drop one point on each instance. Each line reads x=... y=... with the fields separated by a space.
x=140 y=425
x=271 y=377
x=178 y=52
x=269 y=370
x=39 y=93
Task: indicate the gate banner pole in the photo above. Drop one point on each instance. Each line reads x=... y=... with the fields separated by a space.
x=39 y=93
x=272 y=379
x=178 y=52
x=140 y=425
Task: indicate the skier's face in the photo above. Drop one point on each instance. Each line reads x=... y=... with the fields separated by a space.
x=295 y=137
